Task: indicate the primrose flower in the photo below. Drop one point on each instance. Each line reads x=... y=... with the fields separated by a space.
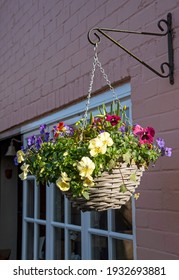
x=86 y=167
x=105 y=138
x=20 y=156
x=96 y=147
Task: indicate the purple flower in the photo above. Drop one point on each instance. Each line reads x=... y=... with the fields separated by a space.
x=15 y=161
x=160 y=142
x=68 y=130
x=38 y=142
x=168 y=152
x=42 y=128
x=46 y=136
x=31 y=140
x=122 y=128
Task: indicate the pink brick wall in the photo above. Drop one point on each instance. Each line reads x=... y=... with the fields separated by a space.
x=45 y=60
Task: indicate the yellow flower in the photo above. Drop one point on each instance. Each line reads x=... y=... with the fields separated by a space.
x=63 y=185
x=65 y=154
x=136 y=195
x=23 y=175
x=96 y=147
x=105 y=139
x=20 y=156
x=25 y=167
x=63 y=182
x=88 y=181
x=86 y=167
x=65 y=176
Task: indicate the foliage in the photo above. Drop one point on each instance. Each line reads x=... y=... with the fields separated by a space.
x=72 y=157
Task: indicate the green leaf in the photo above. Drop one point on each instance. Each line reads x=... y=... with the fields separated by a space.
x=127 y=157
x=123 y=189
x=86 y=195
x=133 y=177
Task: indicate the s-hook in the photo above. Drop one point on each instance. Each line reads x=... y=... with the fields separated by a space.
x=168 y=32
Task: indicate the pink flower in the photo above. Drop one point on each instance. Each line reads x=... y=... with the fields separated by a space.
x=113 y=119
x=145 y=134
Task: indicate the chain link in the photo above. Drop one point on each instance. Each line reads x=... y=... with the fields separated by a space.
x=96 y=62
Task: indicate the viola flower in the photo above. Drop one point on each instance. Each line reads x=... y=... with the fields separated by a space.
x=122 y=128
x=105 y=138
x=96 y=147
x=63 y=185
x=63 y=182
x=58 y=128
x=86 y=167
x=113 y=119
x=160 y=142
x=38 y=143
x=31 y=140
x=137 y=129
x=23 y=176
x=168 y=152
x=88 y=181
x=145 y=134
x=42 y=128
x=46 y=136
x=20 y=156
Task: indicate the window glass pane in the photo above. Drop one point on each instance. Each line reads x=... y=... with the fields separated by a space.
x=74 y=215
x=75 y=245
x=42 y=189
x=41 y=243
x=99 y=250
x=122 y=219
x=30 y=241
x=30 y=198
x=59 y=244
x=58 y=205
x=122 y=249
x=99 y=220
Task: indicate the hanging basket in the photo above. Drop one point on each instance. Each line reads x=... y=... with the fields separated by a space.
x=106 y=193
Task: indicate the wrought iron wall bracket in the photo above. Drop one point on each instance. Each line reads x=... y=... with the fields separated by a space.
x=167 y=31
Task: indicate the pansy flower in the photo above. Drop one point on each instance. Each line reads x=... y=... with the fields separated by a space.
x=113 y=119
x=146 y=135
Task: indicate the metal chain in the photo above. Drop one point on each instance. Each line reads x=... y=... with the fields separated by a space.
x=96 y=62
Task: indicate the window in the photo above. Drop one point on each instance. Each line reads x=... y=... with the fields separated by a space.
x=53 y=229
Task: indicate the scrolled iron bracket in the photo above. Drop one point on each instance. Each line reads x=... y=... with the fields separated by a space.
x=167 y=31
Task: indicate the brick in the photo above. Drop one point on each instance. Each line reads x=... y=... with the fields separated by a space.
x=150 y=254
x=151 y=239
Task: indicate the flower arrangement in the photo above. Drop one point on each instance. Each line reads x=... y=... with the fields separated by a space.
x=73 y=156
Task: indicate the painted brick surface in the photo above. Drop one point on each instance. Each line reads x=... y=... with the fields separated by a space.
x=45 y=61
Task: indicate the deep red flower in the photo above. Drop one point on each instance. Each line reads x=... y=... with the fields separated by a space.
x=113 y=119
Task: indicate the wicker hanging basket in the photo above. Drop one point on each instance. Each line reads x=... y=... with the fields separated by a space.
x=106 y=193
